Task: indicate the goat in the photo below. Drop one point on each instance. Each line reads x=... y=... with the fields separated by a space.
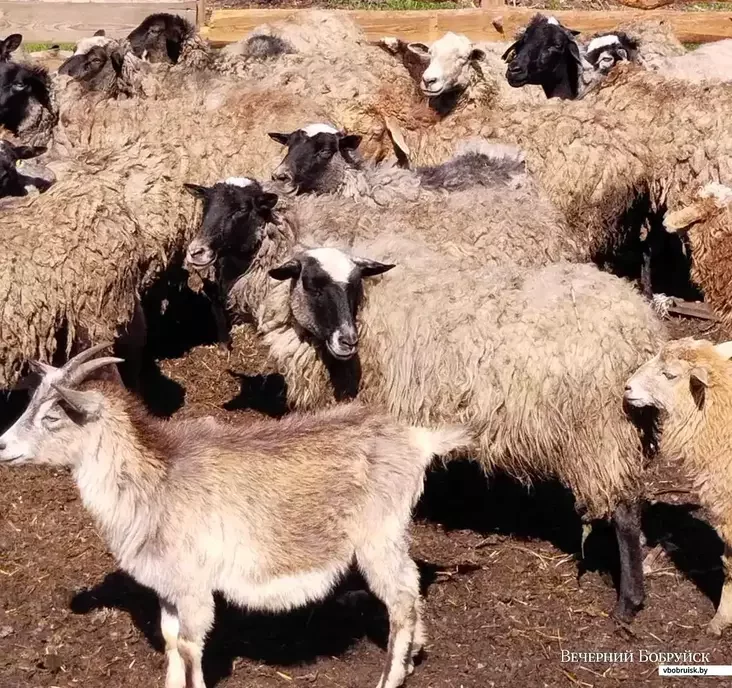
x=689 y=385
x=270 y=513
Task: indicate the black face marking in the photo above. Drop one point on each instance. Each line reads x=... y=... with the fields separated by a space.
x=231 y=228
x=309 y=158
x=547 y=55
x=160 y=37
x=12 y=183
x=18 y=85
x=605 y=57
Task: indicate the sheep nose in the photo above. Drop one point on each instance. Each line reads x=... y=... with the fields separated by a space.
x=196 y=251
x=3 y=446
x=348 y=339
x=429 y=80
x=281 y=175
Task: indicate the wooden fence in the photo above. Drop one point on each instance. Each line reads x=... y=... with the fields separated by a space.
x=488 y=23
x=66 y=21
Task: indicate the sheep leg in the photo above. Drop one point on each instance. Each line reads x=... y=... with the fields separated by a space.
x=170 y=628
x=420 y=631
x=394 y=578
x=626 y=519
x=723 y=618
x=196 y=617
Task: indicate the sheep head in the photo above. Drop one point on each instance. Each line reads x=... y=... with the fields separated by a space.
x=160 y=37
x=545 y=54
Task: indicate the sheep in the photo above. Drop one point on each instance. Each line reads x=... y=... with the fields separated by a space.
x=532 y=359
x=26 y=103
x=271 y=513
x=708 y=223
x=689 y=385
x=16 y=180
x=604 y=51
x=710 y=63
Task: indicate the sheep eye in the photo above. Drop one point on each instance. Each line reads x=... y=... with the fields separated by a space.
x=669 y=375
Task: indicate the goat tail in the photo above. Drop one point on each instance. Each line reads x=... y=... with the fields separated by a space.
x=440 y=441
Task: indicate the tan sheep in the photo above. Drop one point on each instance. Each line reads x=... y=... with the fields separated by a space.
x=689 y=383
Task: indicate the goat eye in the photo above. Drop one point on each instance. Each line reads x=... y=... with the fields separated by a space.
x=669 y=375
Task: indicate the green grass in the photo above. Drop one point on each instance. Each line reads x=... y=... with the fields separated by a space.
x=33 y=47
x=706 y=6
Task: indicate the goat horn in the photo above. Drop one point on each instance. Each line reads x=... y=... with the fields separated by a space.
x=83 y=371
x=682 y=219
x=41 y=368
x=79 y=401
x=84 y=356
x=724 y=349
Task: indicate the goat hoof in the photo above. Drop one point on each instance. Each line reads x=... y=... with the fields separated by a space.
x=716 y=626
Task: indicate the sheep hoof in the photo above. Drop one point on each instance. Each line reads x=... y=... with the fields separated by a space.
x=716 y=626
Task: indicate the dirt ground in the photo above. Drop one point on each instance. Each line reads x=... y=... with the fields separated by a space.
x=506 y=590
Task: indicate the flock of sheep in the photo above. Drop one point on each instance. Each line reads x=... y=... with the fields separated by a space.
x=478 y=254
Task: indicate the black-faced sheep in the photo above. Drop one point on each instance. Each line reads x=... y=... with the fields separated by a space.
x=15 y=181
x=26 y=102
x=533 y=360
x=9 y=45
x=689 y=384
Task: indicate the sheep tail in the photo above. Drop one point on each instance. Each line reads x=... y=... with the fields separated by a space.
x=440 y=441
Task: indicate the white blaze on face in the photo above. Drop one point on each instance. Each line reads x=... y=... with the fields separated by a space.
x=238 y=181
x=553 y=20
x=315 y=129
x=448 y=57
x=86 y=44
x=602 y=42
x=333 y=261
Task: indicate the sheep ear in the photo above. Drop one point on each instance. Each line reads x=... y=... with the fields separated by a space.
x=196 y=190
x=418 y=49
x=679 y=221
x=369 y=268
x=477 y=54
x=509 y=54
x=622 y=54
x=87 y=405
x=266 y=201
x=12 y=42
x=117 y=61
x=698 y=382
x=575 y=53
x=289 y=270
x=25 y=152
x=724 y=349
x=349 y=143
x=573 y=32
x=391 y=44
x=100 y=32
x=284 y=139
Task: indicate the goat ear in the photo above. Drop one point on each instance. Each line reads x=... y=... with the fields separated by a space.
x=196 y=190
x=418 y=49
x=266 y=201
x=509 y=54
x=25 y=152
x=100 y=32
x=349 y=142
x=370 y=268
x=698 y=382
x=12 y=42
x=476 y=54
x=283 y=139
x=289 y=270
x=87 y=405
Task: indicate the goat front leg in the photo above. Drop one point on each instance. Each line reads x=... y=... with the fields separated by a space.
x=170 y=627
x=626 y=520
x=723 y=618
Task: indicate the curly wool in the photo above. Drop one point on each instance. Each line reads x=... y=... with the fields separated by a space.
x=533 y=361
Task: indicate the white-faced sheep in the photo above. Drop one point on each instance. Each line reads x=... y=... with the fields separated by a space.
x=271 y=514
x=533 y=360
x=707 y=221
x=689 y=384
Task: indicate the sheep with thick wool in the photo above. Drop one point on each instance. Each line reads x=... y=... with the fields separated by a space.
x=689 y=385
x=532 y=360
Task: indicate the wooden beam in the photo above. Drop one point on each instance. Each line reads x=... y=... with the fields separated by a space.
x=67 y=22
x=227 y=26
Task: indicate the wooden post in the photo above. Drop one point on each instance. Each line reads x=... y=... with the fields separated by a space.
x=485 y=4
x=200 y=13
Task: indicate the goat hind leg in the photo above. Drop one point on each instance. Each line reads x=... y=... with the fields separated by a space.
x=723 y=618
x=394 y=578
x=196 y=618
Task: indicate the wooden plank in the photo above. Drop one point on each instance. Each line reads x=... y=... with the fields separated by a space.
x=201 y=12
x=67 y=22
x=692 y=309
x=227 y=26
